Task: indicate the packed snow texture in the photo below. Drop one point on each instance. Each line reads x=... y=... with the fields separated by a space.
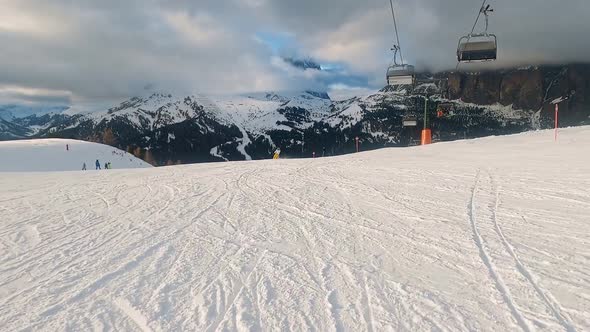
x=483 y=235
x=47 y=155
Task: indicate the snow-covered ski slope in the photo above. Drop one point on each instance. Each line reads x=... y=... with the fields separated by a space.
x=483 y=235
x=50 y=155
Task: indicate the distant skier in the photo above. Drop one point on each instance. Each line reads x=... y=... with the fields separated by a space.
x=67 y=147
x=84 y=166
x=277 y=154
x=324 y=151
x=97 y=164
x=106 y=166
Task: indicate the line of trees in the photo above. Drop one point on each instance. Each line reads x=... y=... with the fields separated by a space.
x=108 y=137
x=148 y=156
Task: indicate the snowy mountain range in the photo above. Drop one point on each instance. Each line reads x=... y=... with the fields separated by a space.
x=201 y=128
x=11 y=111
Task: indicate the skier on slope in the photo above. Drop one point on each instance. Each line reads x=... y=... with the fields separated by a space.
x=97 y=164
x=84 y=166
x=277 y=153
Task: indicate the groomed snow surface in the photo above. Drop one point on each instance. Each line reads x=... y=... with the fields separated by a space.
x=483 y=235
x=50 y=155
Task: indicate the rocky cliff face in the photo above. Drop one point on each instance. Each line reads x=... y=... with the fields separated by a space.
x=528 y=89
x=521 y=88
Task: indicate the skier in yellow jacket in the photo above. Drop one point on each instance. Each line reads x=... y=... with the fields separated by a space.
x=277 y=154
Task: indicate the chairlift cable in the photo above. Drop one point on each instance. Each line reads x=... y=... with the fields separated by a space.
x=396 y=33
x=478 y=16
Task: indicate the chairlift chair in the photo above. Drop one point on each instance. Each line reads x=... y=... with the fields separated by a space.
x=400 y=75
x=444 y=109
x=410 y=121
x=478 y=47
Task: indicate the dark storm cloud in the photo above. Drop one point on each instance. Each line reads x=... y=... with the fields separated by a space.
x=360 y=33
x=113 y=49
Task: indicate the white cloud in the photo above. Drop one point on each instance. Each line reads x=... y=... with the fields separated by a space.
x=360 y=43
x=16 y=19
x=26 y=95
x=202 y=30
x=7 y=89
x=344 y=92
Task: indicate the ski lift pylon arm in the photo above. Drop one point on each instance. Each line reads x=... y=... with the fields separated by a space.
x=395 y=50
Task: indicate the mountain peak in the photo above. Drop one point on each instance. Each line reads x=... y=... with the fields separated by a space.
x=321 y=95
x=304 y=64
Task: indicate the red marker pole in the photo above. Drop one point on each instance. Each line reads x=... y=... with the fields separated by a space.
x=357 y=145
x=556 y=122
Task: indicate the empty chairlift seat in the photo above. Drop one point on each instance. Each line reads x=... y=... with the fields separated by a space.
x=400 y=75
x=477 y=48
x=410 y=121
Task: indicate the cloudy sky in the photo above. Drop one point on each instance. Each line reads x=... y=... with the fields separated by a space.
x=84 y=51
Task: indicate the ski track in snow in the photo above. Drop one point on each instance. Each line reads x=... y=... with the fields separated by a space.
x=375 y=241
x=543 y=294
x=137 y=317
x=485 y=256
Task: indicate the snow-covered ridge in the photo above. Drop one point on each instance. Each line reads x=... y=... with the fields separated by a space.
x=255 y=113
x=258 y=113
x=51 y=155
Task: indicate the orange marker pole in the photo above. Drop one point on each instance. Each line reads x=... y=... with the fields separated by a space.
x=426 y=132
x=426 y=137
